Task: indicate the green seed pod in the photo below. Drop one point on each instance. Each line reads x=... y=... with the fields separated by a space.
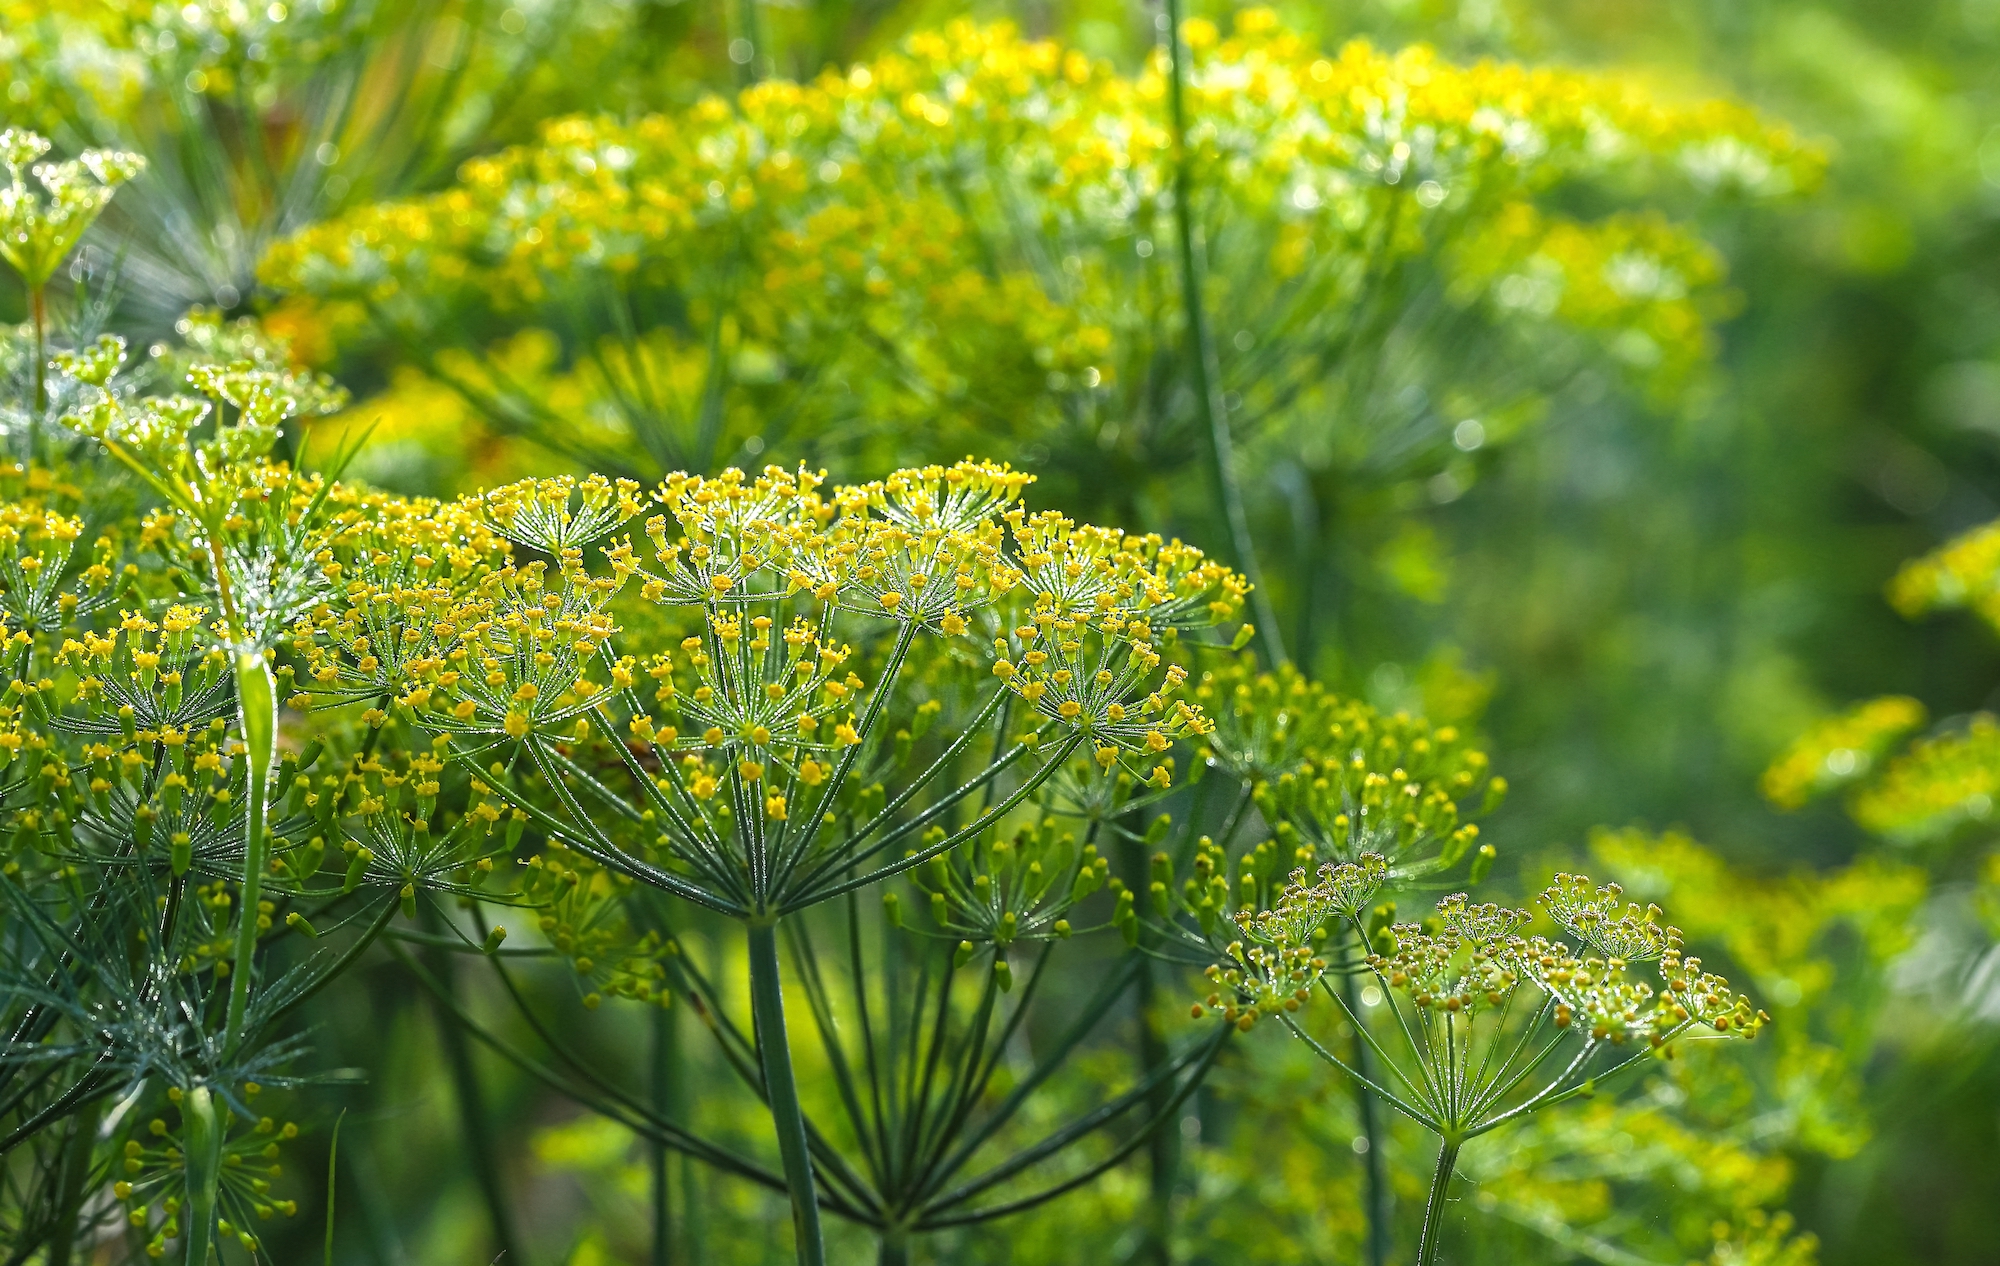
x=1457 y=844
x=181 y=853
x=1381 y=917
x=1088 y=880
x=1482 y=863
x=892 y=909
x=357 y=866
x=962 y=955
x=1003 y=975
x=309 y=858
x=297 y=922
x=926 y=713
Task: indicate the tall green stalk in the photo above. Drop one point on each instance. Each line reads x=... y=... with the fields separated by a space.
x=661 y=1078
x=1376 y=1187
x=202 y=1133
x=480 y=1146
x=72 y=1189
x=1203 y=365
x=1427 y=1245
x=38 y=316
x=1162 y=1155
x=895 y=1250
x=781 y=1091
x=257 y=708
x=1163 y=1151
x=748 y=31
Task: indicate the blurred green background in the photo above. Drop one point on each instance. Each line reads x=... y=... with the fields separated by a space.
x=1640 y=600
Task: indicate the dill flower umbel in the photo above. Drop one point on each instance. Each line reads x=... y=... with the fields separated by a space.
x=1482 y=1008
x=46 y=206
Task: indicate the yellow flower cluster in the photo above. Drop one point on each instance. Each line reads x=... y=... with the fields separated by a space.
x=1963 y=573
x=1775 y=928
x=1476 y=960
x=428 y=609
x=152 y=1175
x=972 y=224
x=1007 y=890
x=1839 y=750
x=1336 y=778
x=1277 y=963
x=585 y=917
x=1935 y=787
x=45 y=207
x=72 y=57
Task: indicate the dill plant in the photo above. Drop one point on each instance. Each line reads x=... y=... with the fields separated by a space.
x=752 y=770
x=157 y=836
x=1014 y=660
x=743 y=770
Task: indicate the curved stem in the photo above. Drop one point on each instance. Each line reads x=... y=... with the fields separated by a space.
x=767 y=1004
x=1427 y=1246
x=1204 y=366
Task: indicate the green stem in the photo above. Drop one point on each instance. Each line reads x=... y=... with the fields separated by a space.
x=1377 y=1190
x=1427 y=1246
x=781 y=1091
x=75 y=1173
x=257 y=708
x=473 y=1119
x=1162 y=1151
x=748 y=32
x=662 y=1077
x=38 y=316
x=1204 y=365
x=202 y=1132
x=895 y=1250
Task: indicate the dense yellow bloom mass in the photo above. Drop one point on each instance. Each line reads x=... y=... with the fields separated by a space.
x=1941 y=783
x=1839 y=750
x=1937 y=786
x=1965 y=572
x=976 y=226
